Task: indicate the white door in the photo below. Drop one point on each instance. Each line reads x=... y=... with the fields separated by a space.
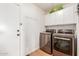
x=9 y=42
x=29 y=35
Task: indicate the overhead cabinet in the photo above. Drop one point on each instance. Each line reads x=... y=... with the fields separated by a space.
x=54 y=18
x=69 y=15
x=65 y=16
x=51 y=19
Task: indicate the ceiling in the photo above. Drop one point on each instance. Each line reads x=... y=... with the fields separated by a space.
x=47 y=6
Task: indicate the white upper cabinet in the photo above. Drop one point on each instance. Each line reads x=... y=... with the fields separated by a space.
x=65 y=16
x=69 y=15
x=54 y=18
x=59 y=17
x=50 y=19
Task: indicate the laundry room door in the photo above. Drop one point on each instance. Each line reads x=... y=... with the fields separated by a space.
x=29 y=35
x=9 y=41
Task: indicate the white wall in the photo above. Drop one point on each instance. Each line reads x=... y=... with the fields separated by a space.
x=33 y=22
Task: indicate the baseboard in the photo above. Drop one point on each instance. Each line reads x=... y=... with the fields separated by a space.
x=28 y=54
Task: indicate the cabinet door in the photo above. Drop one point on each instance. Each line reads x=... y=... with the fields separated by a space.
x=59 y=17
x=47 y=20
x=68 y=15
x=75 y=14
x=50 y=19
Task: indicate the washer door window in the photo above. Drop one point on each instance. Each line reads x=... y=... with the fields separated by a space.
x=63 y=45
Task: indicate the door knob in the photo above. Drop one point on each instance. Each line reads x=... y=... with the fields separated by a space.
x=18 y=30
x=18 y=34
